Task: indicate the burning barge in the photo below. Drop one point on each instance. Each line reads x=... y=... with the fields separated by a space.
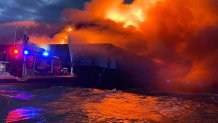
x=86 y=65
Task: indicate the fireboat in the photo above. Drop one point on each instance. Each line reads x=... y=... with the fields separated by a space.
x=28 y=63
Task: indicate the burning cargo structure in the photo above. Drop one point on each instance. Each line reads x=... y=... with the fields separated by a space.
x=108 y=66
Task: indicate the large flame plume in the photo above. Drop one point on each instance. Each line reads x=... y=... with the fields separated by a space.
x=179 y=35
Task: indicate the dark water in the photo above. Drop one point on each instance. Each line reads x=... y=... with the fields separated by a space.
x=68 y=105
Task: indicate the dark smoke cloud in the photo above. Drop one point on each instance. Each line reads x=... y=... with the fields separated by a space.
x=37 y=29
x=179 y=35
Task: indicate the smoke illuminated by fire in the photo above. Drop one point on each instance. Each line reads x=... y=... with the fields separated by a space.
x=180 y=36
x=60 y=38
x=130 y=15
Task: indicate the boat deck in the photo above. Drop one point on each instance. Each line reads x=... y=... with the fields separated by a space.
x=41 y=80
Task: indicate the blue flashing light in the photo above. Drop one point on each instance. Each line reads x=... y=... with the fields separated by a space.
x=25 y=52
x=45 y=53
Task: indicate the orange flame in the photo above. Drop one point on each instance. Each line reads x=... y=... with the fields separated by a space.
x=130 y=15
x=59 y=38
x=163 y=30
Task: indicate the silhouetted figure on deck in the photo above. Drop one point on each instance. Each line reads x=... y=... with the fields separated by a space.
x=25 y=39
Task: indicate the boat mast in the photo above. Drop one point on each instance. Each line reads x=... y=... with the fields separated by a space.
x=15 y=34
x=34 y=25
x=70 y=46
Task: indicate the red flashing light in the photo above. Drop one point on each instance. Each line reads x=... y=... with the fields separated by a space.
x=16 y=51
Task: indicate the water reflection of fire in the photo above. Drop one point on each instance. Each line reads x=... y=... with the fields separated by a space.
x=93 y=105
x=124 y=107
x=127 y=107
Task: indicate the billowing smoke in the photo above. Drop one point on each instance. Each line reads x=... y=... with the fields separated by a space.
x=39 y=32
x=181 y=36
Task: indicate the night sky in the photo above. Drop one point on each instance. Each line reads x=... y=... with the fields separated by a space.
x=47 y=10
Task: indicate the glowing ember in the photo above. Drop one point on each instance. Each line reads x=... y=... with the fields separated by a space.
x=70 y=29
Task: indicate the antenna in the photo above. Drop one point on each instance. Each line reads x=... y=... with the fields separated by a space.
x=15 y=34
x=34 y=24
